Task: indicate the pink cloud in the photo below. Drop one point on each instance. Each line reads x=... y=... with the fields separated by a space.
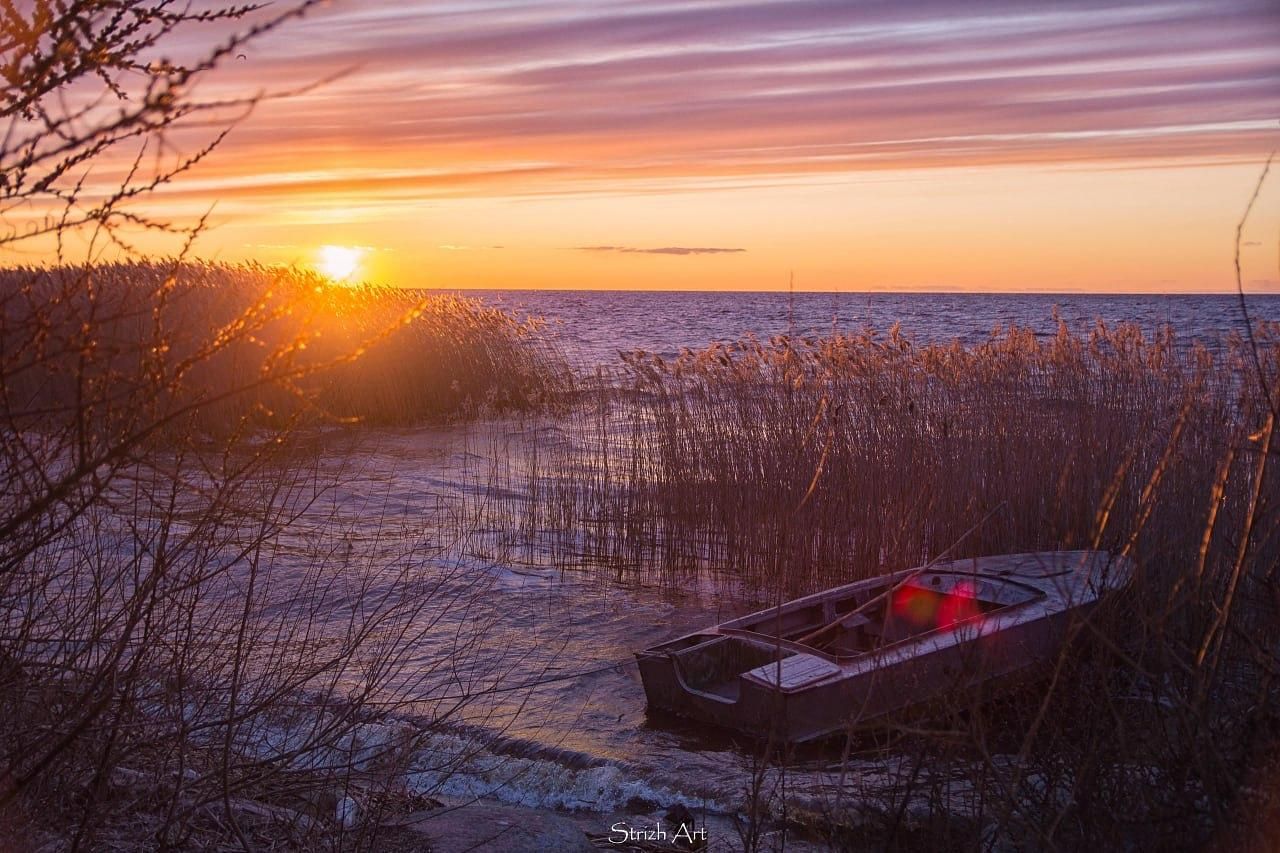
x=556 y=94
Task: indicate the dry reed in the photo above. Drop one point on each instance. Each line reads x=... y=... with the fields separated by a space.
x=812 y=462
x=373 y=354
x=784 y=467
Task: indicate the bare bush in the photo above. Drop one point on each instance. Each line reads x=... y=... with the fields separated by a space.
x=185 y=635
x=97 y=85
x=197 y=648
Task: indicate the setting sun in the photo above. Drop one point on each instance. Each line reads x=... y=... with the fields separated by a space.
x=338 y=262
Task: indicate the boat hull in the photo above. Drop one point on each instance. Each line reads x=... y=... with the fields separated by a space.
x=736 y=676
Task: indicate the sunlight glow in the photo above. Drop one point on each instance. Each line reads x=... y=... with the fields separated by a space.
x=338 y=263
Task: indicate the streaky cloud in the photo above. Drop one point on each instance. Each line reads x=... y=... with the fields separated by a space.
x=555 y=96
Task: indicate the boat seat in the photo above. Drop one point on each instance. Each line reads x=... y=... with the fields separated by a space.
x=854 y=620
x=792 y=672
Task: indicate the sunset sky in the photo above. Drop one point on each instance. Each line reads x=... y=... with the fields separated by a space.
x=708 y=144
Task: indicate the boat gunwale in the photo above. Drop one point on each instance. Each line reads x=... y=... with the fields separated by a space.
x=887 y=580
x=1039 y=595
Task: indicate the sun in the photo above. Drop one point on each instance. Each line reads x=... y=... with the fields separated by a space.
x=338 y=263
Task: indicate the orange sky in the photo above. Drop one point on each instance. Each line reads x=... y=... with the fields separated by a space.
x=990 y=145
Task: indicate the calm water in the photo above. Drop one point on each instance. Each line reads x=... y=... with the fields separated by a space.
x=595 y=325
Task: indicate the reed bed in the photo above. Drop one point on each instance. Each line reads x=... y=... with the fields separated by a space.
x=808 y=462
x=782 y=467
x=250 y=344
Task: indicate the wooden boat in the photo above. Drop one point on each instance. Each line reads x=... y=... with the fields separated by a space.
x=829 y=661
